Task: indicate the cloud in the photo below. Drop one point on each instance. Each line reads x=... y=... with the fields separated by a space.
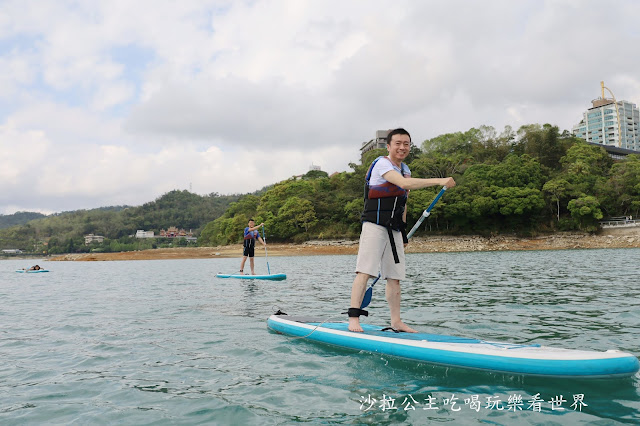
x=101 y=175
x=238 y=112
x=117 y=102
x=21 y=153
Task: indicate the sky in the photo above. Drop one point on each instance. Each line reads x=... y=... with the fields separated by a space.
x=118 y=102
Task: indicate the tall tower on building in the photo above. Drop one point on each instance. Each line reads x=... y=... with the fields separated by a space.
x=610 y=122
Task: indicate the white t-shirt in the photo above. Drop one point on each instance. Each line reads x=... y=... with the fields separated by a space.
x=382 y=166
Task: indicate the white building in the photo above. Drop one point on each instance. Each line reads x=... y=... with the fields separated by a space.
x=89 y=238
x=144 y=234
x=11 y=251
x=610 y=122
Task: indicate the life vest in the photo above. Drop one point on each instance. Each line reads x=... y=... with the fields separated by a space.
x=384 y=204
x=249 y=238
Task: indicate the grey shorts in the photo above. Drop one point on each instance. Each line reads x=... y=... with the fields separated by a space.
x=375 y=255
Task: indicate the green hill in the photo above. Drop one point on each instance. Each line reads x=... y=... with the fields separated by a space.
x=64 y=232
x=18 y=218
x=530 y=181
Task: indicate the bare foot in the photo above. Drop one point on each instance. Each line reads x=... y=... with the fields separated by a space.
x=400 y=326
x=354 y=325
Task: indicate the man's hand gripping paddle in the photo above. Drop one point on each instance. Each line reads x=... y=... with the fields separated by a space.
x=425 y=214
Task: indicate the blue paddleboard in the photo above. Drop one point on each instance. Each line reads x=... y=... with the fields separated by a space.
x=34 y=271
x=464 y=352
x=272 y=277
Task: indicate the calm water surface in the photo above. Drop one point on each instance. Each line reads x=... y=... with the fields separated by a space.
x=165 y=342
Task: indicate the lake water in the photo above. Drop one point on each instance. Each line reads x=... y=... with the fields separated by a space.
x=165 y=342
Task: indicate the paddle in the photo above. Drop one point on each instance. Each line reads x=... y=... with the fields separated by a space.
x=425 y=214
x=265 y=250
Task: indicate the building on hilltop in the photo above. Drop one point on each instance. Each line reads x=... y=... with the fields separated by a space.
x=380 y=141
x=12 y=251
x=610 y=123
x=174 y=232
x=89 y=238
x=312 y=167
x=140 y=233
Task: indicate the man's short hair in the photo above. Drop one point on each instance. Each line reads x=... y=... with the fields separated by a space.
x=398 y=131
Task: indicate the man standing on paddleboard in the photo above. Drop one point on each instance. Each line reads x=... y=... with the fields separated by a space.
x=250 y=235
x=384 y=222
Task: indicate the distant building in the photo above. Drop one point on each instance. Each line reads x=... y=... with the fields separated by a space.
x=174 y=232
x=89 y=238
x=380 y=141
x=144 y=234
x=11 y=251
x=610 y=123
x=312 y=167
x=615 y=152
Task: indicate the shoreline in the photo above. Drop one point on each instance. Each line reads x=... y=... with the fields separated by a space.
x=607 y=238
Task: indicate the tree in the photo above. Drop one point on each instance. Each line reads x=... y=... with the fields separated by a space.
x=353 y=210
x=584 y=165
x=275 y=197
x=437 y=165
x=586 y=210
x=621 y=193
x=557 y=190
x=452 y=143
x=315 y=174
x=295 y=214
x=544 y=143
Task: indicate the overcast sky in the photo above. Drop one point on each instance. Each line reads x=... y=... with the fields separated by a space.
x=118 y=102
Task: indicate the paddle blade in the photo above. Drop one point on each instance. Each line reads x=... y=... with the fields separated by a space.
x=367 y=298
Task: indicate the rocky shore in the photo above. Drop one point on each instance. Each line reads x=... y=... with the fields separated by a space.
x=608 y=238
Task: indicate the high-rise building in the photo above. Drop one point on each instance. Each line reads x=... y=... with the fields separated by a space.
x=610 y=122
x=380 y=141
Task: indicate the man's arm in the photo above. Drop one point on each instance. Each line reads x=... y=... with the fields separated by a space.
x=416 y=183
x=256 y=227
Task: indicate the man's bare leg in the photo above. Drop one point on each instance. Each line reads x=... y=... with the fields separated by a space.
x=393 y=297
x=357 y=294
x=244 y=259
x=252 y=265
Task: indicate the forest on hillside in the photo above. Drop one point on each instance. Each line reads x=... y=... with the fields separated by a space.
x=64 y=232
x=531 y=181
x=18 y=218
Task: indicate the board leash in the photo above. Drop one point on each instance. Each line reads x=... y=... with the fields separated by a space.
x=333 y=317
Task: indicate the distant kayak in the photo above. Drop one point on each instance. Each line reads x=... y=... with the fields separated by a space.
x=272 y=277
x=526 y=359
x=33 y=271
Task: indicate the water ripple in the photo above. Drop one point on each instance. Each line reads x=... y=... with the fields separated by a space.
x=155 y=342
